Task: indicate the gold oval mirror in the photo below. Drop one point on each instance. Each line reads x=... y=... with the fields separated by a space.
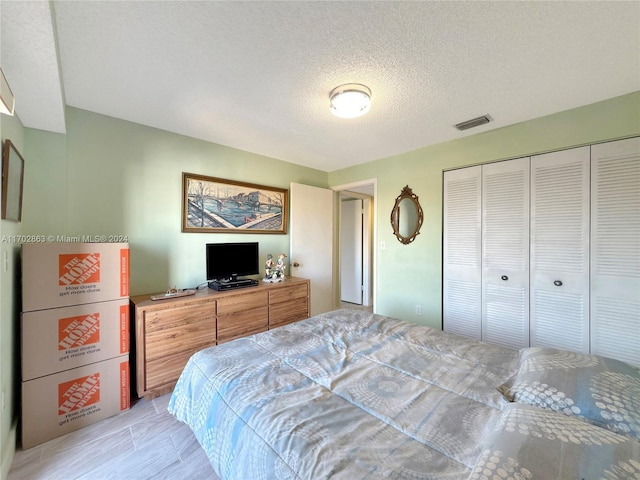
x=406 y=216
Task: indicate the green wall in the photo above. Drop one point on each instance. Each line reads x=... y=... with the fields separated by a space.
x=410 y=275
x=10 y=128
x=111 y=177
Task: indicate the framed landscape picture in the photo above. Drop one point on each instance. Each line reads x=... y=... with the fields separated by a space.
x=212 y=204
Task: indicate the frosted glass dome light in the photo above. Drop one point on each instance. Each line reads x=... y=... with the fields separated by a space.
x=350 y=100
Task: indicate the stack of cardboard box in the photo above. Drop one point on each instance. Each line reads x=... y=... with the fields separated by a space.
x=75 y=336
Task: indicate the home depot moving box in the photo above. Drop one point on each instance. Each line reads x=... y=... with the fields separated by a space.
x=75 y=338
x=57 y=404
x=58 y=339
x=63 y=274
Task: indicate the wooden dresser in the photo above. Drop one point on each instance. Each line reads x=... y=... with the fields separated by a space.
x=169 y=331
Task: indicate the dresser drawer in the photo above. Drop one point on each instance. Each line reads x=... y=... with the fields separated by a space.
x=284 y=294
x=288 y=312
x=172 y=336
x=242 y=323
x=168 y=318
x=244 y=300
x=166 y=370
x=186 y=335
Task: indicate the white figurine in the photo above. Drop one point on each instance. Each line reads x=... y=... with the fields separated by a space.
x=268 y=266
x=273 y=273
x=280 y=266
x=277 y=273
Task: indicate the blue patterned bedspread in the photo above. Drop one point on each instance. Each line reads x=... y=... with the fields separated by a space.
x=344 y=395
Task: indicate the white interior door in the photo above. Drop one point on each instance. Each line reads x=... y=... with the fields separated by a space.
x=462 y=252
x=615 y=250
x=560 y=250
x=351 y=260
x=505 y=253
x=312 y=242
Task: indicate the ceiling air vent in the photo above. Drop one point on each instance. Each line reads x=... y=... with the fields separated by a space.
x=474 y=122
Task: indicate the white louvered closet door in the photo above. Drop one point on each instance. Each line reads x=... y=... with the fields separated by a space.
x=461 y=303
x=505 y=253
x=615 y=250
x=559 y=292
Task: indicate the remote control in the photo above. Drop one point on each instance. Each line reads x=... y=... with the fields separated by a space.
x=182 y=293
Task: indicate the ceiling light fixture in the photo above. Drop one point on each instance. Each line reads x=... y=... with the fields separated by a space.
x=350 y=100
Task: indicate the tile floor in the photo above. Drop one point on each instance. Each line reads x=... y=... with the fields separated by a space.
x=145 y=442
x=355 y=306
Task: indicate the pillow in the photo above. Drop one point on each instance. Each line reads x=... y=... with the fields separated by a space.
x=531 y=443
x=601 y=390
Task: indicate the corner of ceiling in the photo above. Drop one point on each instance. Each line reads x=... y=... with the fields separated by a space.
x=31 y=64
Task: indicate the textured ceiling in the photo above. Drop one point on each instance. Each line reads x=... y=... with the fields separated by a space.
x=256 y=75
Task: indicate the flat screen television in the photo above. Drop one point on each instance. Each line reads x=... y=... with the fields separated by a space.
x=228 y=261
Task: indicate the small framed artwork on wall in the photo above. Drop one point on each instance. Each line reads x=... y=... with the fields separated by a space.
x=211 y=204
x=12 y=180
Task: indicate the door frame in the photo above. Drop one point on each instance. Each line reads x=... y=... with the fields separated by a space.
x=367 y=189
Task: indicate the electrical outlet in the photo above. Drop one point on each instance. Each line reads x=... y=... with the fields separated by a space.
x=418 y=309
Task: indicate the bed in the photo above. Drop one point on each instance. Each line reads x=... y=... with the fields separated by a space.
x=353 y=395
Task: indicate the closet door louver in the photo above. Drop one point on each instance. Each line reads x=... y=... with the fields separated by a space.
x=505 y=253
x=461 y=305
x=559 y=293
x=615 y=250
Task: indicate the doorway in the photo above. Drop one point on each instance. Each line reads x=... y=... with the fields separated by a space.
x=356 y=252
x=351 y=248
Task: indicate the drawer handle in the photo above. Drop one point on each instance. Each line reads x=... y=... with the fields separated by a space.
x=504 y=277
x=557 y=283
